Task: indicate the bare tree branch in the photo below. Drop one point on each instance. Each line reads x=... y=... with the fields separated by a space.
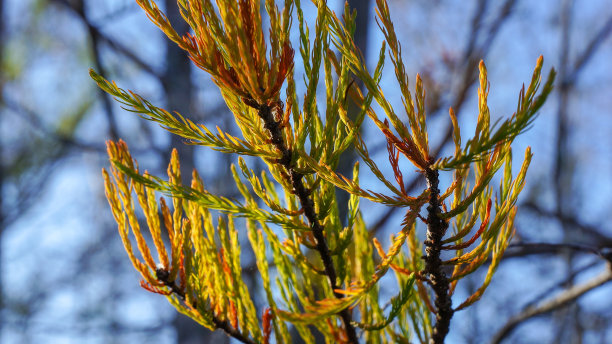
x=103 y=38
x=531 y=248
x=552 y=304
x=34 y=120
x=599 y=239
x=78 y=7
x=590 y=50
x=561 y=284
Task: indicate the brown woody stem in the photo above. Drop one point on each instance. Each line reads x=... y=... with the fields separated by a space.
x=162 y=275
x=436 y=228
x=295 y=178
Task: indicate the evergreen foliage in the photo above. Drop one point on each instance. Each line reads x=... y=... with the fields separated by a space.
x=290 y=210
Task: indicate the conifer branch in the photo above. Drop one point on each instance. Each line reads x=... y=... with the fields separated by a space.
x=266 y=113
x=436 y=228
x=163 y=276
x=229 y=44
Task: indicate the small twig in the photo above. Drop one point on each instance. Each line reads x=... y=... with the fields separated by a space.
x=33 y=119
x=555 y=303
x=94 y=35
x=571 y=221
x=120 y=48
x=590 y=50
x=560 y=284
x=436 y=228
x=503 y=14
x=545 y=247
x=265 y=112
x=479 y=15
x=162 y=275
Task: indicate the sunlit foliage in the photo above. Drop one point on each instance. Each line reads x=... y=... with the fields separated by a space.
x=290 y=210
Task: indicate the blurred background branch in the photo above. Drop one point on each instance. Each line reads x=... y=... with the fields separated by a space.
x=567 y=296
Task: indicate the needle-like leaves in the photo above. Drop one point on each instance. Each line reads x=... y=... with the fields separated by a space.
x=314 y=265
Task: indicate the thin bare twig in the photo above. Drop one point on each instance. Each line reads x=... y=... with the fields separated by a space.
x=560 y=284
x=556 y=248
x=103 y=38
x=34 y=120
x=94 y=35
x=598 y=239
x=590 y=50
x=552 y=304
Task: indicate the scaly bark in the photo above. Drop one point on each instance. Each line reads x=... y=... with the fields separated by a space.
x=295 y=178
x=436 y=228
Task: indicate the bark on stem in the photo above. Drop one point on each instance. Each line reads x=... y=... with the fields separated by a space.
x=436 y=228
x=265 y=112
x=162 y=275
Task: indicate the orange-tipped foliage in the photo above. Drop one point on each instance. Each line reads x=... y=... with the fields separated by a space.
x=314 y=263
